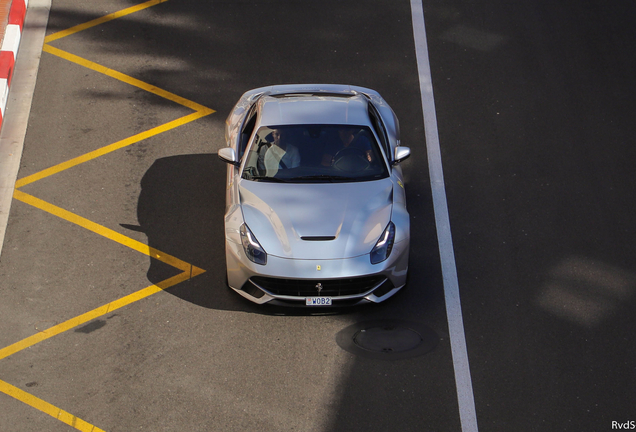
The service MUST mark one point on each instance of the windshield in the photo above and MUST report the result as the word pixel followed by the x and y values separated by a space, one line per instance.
pixel 314 153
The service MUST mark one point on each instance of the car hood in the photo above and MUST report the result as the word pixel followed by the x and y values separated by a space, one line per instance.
pixel 294 220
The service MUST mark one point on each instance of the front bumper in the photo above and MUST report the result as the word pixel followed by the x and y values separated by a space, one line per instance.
pixel 284 281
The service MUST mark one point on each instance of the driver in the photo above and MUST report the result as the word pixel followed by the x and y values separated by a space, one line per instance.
pixel 349 138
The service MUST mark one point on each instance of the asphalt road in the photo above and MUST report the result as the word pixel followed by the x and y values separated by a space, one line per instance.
pixel 535 109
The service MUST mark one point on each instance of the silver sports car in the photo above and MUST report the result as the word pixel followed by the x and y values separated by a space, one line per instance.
pixel 315 203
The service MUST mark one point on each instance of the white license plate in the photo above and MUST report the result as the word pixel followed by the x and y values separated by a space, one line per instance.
pixel 318 301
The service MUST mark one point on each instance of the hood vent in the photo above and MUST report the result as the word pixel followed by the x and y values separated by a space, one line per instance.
pixel 318 238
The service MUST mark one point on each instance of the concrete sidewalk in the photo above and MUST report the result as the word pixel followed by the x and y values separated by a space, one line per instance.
pixel 12 13
pixel 21 77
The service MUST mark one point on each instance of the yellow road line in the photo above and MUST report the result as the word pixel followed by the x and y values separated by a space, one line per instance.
pixel 98 21
pixel 47 408
pixel 189 270
pixel 125 78
pixel 95 313
pixel 109 148
pixel 106 232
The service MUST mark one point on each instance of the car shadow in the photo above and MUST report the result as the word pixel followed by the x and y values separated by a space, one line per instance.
pixel 181 209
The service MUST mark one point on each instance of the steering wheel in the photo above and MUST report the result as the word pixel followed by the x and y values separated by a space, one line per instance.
pixel 351 159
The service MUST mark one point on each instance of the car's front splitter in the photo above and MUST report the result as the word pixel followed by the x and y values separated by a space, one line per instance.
pixel 392 273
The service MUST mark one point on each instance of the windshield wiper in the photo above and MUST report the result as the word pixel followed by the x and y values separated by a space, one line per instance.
pixel 266 178
pixel 330 178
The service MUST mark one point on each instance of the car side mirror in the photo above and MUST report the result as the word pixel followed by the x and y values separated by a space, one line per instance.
pixel 401 153
pixel 228 155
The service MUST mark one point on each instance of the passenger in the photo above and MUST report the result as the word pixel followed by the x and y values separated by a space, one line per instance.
pixel 281 154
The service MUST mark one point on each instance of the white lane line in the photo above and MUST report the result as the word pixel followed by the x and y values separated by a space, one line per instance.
pixel 465 398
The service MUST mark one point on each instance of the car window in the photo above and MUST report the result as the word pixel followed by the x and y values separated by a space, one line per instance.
pixel 314 153
pixel 246 132
pixel 380 130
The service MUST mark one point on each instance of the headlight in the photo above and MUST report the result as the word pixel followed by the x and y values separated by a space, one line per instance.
pixel 252 247
pixel 382 248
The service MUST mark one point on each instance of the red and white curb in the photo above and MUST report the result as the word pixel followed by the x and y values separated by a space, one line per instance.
pixel 9 49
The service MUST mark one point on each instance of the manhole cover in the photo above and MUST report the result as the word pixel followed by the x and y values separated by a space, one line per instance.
pixel 387 339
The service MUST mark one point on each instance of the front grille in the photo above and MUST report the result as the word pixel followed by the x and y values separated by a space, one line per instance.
pixel 307 287
pixel 300 302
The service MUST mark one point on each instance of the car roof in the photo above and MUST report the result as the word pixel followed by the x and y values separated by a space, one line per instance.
pixel 298 108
